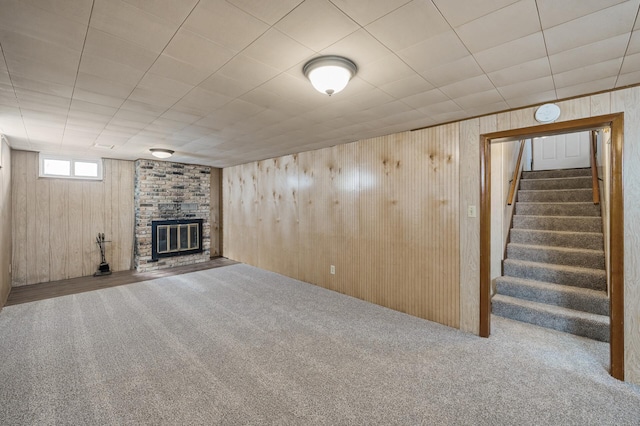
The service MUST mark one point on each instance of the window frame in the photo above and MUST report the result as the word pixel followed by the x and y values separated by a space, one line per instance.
pixel 72 165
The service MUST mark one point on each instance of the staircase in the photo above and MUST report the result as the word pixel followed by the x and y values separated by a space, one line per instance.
pixel 554 270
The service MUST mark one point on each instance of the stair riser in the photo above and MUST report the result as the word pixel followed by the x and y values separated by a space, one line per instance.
pixel 582 224
pixel 577 326
pixel 570 183
pixel 598 305
pixel 557 196
pixel 548 174
pixel 593 279
pixel 542 238
pixel 557 257
pixel 557 209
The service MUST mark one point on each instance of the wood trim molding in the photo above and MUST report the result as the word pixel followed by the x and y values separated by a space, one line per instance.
pixel 594 167
pixel 616 209
pixel 616 249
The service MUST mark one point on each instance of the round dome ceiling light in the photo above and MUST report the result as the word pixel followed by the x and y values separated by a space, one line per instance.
pixel 161 152
pixel 329 74
pixel 547 113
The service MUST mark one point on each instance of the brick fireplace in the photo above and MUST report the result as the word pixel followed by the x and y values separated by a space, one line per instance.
pixel 171 199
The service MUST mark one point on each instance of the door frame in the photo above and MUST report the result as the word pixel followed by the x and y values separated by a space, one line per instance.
pixel 616 213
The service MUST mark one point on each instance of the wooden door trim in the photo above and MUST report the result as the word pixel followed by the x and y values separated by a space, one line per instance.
pixel 616 215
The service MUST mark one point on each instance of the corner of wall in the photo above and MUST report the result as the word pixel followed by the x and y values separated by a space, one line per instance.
pixel 5 222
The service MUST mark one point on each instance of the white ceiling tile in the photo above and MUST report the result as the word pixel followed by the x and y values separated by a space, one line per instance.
pixel 37 85
pixel 359 46
pixel 634 43
pixel 600 51
pixel 132 24
pixel 591 86
pixel 452 72
pixel 630 64
pixel 487 108
pixel 187 46
pixel 385 70
pixel 169 67
pixel 97 98
pixel 310 22
pixel 165 85
pixel 277 50
pixel 248 70
pixel 152 97
pixel 440 108
pixel 512 53
pixel 229 87
pixel 526 71
pixel 113 48
pixel 462 11
pixel 421 100
pixel 504 25
pixel 103 86
pixel 407 86
pixel 409 25
pixel 475 100
pixel 366 12
pixel 628 79
pixel 225 24
pixel 597 71
pixel 591 28
pixel 54 69
pixel 36 22
pixel 169 10
pixel 269 12
pixel 142 107
pixel 434 51
pixel 201 101
pixel 554 12
pixel 109 70
pixel 460 88
pixel 527 87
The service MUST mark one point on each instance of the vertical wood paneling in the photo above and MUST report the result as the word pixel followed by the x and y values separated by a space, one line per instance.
pixel 215 214
pixel 383 211
pixel 19 217
pixel 469 227
pixel 58 236
pixel 6 215
pixel 629 101
pixel 600 104
pixel 278 215
pixel 32 175
pixel 54 234
pixel 74 226
pixel 574 109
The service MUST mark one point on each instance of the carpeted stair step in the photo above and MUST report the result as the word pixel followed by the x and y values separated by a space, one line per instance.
pixel 558 223
pixel 555 317
pixel 559 173
pixel 556 195
pixel 569 256
pixel 579 299
pixel 587 240
pixel 557 209
pixel 556 183
pixel 595 279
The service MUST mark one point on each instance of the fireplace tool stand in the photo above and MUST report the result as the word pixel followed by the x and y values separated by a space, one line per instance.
pixel 103 269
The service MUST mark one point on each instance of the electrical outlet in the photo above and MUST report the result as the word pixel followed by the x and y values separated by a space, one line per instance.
pixel 471 211
pixel 332 270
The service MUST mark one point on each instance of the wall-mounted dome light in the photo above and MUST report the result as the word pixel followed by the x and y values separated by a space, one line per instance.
pixel 329 74
pixel 161 152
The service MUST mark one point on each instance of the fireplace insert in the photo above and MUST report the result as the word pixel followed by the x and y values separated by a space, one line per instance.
pixel 176 237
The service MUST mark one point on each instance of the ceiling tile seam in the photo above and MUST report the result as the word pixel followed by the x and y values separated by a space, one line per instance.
pixel 624 56
pixel 377 19
pixel 13 88
pixel 546 49
pixel 75 80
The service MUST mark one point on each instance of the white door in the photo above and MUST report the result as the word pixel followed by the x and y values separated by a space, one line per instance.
pixel 567 151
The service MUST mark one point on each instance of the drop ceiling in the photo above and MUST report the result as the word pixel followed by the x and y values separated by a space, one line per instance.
pixel 221 83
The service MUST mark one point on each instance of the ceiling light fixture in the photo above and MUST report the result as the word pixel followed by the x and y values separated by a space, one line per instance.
pixel 161 152
pixel 329 74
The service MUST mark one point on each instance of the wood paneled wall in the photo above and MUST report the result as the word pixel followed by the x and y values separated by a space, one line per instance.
pixel 389 215
pixel 56 221
pixel 5 222
pixel 384 212
pixel 215 216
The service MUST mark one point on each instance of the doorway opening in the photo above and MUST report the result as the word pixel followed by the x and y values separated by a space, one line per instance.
pixel 615 210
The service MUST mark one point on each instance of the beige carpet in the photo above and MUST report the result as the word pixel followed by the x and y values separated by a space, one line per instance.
pixel 238 345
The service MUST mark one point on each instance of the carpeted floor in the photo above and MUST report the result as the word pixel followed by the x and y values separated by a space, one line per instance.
pixel 238 345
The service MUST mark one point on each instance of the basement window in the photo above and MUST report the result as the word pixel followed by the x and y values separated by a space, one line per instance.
pixel 70 168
